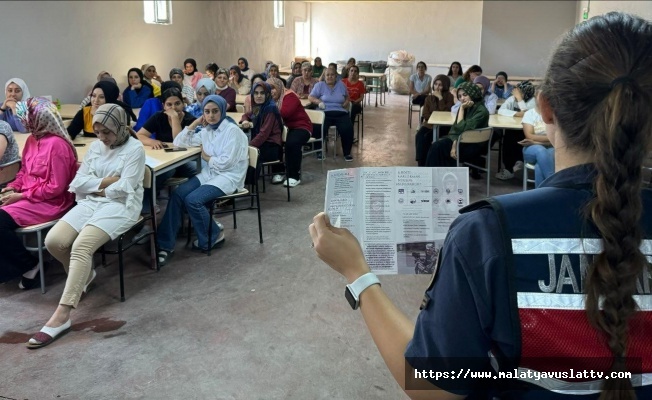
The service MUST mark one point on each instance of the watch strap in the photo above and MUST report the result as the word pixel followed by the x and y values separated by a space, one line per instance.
pixel 359 285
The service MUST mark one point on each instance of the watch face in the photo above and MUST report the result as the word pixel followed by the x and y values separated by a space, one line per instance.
pixel 350 298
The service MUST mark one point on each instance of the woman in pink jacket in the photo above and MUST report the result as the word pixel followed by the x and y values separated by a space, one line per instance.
pixel 40 191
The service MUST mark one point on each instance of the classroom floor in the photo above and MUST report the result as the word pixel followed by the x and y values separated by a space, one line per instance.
pixel 253 321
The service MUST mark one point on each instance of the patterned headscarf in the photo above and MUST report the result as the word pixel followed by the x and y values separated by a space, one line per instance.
pixel 207 83
pixel 22 84
pixel 472 91
pixel 114 118
pixel 221 104
pixel 260 111
pixel 527 90
pixel 41 117
pixel 278 85
pixel 484 81
pixel 176 71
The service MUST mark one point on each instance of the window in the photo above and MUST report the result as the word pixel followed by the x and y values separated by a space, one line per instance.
pixel 279 14
pixel 158 12
pixel 301 39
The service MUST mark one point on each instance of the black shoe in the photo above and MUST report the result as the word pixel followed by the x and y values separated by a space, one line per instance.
pixel 27 284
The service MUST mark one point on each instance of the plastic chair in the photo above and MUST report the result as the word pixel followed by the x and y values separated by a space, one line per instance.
pixel 39 229
pixel 270 164
pixel 317 117
pixel 477 136
pixel 8 172
pixel 526 180
pixel 411 109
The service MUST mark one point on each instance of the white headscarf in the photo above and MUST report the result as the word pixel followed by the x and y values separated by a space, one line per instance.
pixel 22 84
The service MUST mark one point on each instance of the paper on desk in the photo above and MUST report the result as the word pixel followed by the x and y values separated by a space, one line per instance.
pixel 151 162
pixel 400 215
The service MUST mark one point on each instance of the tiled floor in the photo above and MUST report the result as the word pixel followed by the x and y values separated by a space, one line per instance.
pixel 250 322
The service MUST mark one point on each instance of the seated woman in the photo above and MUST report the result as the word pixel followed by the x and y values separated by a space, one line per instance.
pixel 238 81
pixel 225 156
pixel 317 69
pixel 153 78
pixel 191 75
pixel 537 148
pixel 187 91
pixel 455 72
pixel 265 123
pixel 296 72
pixel 109 192
pixel 440 99
pixel 356 89
pixel 304 84
pixel 223 89
pixel 273 72
pixel 473 72
pixel 420 84
pixel 243 64
pixel 490 99
pixel 500 87
pixel 205 87
pixel 522 99
pixel 103 92
pixel 9 151
pixel 299 128
pixel 345 71
pixel 40 191
pixel 332 97
pixel 333 66
pixel 102 76
pixel 153 105
pixel 15 90
pixel 471 115
pixel 166 125
pixel 138 90
pixel 211 71
pixel 247 101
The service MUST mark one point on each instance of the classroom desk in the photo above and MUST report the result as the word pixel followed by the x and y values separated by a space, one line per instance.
pixel 68 111
pixel 240 98
pixel 445 118
pixel 380 88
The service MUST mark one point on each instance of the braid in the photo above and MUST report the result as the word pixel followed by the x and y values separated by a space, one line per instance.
pixel 600 70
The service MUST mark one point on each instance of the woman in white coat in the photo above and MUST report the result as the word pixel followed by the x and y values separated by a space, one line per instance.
pixel 109 192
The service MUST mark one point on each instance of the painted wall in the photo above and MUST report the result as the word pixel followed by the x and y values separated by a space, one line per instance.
pixel 518 36
pixel 371 30
pixel 73 40
pixel 640 8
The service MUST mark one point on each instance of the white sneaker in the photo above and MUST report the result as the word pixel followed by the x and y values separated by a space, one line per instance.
pixel 504 175
pixel 292 182
pixel 518 166
pixel 277 179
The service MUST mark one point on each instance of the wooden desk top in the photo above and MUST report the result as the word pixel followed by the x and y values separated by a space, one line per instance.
pixel 445 118
pixel 372 74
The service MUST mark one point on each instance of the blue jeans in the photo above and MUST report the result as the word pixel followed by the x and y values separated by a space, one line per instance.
pixel 186 170
pixel 193 198
pixel 543 159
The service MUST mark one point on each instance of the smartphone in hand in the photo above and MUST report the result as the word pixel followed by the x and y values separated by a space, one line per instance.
pixel 171 149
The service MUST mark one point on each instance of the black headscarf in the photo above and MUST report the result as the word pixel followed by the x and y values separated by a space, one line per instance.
pixel 239 72
pixel 246 63
pixel 194 66
pixel 142 79
pixel 111 94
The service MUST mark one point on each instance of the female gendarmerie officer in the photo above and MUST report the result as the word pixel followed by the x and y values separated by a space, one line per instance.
pixel 550 280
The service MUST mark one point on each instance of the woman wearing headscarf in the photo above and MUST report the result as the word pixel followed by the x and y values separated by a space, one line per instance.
pixel 102 76
pixel 138 91
pixel 225 159
pixel 440 99
pixel 243 64
pixel 490 99
pixel 265 123
pixel 239 81
pixel 9 151
pixel 521 100
pixel 39 192
pixel 317 69
pixel 296 72
pixel 187 91
pixel 500 87
pixel 471 115
pixel 191 75
pixel 247 101
pixel 152 77
pixel 273 72
pixel 103 92
pixel 223 89
pixel 15 90
pixel 109 191
pixel 265 74
pixel 299 128
pixel 205 87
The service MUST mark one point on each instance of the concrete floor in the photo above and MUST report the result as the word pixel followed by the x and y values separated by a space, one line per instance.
pixel 250 322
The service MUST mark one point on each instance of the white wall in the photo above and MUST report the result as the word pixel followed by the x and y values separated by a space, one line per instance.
pixel 59 47
pixel 371 30
pixel 519 36
pixel 640 8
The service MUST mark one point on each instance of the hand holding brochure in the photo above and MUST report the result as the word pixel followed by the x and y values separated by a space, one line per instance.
pixel 400 215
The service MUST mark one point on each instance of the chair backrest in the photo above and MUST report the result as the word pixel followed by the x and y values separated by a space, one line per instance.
pixel 147 178
pixel 476 135
pixel 8 171
pixel 316 116
pixel 253 156
pixel 66 123
pixel 239 108
pixel 285 133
